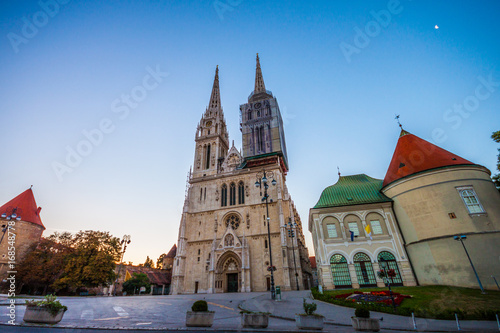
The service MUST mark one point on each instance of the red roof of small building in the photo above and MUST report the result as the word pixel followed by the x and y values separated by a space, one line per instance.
pixel 313 262
pixel 172 252
pixel 413 155
pixel 25 207
pixel 156 276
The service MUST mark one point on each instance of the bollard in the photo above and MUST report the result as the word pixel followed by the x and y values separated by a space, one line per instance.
pixel 458 324
pixel 414 323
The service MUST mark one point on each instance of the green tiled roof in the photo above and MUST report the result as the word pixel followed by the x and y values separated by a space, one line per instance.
pixel 352 190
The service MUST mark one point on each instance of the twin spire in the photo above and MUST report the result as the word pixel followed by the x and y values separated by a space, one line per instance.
pixel 215 103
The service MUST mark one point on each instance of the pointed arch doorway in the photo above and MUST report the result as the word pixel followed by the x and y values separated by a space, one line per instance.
pixel 228 274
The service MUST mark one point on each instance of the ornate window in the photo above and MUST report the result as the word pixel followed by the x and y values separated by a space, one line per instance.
pixel 241 193
pixel 353 226
pixel 332 230
pixel 388 258
pixel 232 194
pixel 340 271
pixel 376 228
pixel 233 220
pixel 471 200
pixel 364 270
pixel 223 196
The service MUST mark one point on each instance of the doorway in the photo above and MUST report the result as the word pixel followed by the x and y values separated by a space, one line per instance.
pixel 268 283
pixel 196 287
pixel 232 282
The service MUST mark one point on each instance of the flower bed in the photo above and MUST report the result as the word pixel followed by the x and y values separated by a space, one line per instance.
pixel 381 297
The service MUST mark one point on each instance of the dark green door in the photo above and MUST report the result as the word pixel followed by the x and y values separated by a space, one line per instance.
pixel 232 283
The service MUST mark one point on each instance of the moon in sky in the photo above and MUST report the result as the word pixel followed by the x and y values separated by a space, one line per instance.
pixel 436 27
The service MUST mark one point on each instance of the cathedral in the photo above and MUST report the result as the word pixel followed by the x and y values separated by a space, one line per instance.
pixel 238 216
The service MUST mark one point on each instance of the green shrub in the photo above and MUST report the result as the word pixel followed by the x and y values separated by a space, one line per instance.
pixel 49 303
pixel 200 306
pixel 309 308
pixel 362 312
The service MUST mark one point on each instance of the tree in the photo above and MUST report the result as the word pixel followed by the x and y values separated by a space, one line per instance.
pixel 496 178
pixel 149 263
pixel 45 263
pixel 91 262
pixel 136 282
pixel 159 261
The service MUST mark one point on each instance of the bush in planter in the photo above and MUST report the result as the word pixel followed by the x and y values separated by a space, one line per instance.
pixel 362 312
pixel 362 321
pixel 50 303
pixel 309 320
pixel 47 311
pixel 199 316
pixel 200 306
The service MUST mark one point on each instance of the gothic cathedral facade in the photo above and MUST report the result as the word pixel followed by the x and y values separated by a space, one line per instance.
pixel 223 243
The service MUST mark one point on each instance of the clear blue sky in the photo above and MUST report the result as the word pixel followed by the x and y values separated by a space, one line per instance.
pixel 67 72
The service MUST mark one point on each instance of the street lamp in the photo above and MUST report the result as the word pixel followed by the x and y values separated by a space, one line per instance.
pixel 384 266
pixel 461 239
pixel 291 234
pixel 10 218
pixel 125 241
pixel 262 183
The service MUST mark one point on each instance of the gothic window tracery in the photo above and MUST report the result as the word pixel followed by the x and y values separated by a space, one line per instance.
pixel 223 194
pixel 232 194
pixel 241 193
pixel 233 220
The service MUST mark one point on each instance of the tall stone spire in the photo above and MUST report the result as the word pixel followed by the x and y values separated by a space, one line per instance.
pixel 214 103
pixel 259 80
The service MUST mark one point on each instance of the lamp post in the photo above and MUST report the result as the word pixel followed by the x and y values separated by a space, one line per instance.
pixel 291 234
pixel 262 183
pixel 125 241
pixel 384 265
pixel 10 221
pixel 461 239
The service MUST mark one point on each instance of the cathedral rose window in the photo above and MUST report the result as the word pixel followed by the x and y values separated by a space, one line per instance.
pixel 233 220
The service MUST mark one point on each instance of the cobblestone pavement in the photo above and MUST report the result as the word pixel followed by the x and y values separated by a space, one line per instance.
pixel 169 313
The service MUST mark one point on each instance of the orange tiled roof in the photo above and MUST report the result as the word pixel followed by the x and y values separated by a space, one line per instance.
pixel 413 155
pixel 26 208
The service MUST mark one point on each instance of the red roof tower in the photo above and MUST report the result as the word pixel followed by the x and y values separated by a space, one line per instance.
pixel 413 155
pixel 24 205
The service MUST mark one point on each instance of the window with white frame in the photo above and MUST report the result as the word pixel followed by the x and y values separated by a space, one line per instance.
pixel 376 228
pixel 332 230
pixel 353 226
pixel 471 200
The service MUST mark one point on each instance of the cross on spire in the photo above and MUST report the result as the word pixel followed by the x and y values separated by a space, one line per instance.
pixel 397 119
pixel 259 80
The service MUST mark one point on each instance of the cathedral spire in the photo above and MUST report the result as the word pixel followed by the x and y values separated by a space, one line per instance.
pixel 215 97
pixel 259 80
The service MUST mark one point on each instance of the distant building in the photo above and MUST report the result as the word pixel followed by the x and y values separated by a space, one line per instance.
pixel 223 243
pixel 314 271
pixel 168 259
pixel 26 225
pixel 409 221
pixel 160 279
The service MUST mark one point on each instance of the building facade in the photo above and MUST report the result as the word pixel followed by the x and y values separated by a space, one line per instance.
pixel 410 221
pixel 26 224
pixel 223 243
pixel 355 205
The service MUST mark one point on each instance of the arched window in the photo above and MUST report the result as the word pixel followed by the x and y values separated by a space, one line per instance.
pixel 364 270
pixel 241 193
pixel 232 194
pixel 386 260
pixel 340 271
pixel 207 157
pixel 249 115
pixel 265 243
pixel 223 196
pixel 262 138
pixel 471 201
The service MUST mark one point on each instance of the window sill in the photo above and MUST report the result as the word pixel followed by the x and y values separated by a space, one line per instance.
pixel 478 214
